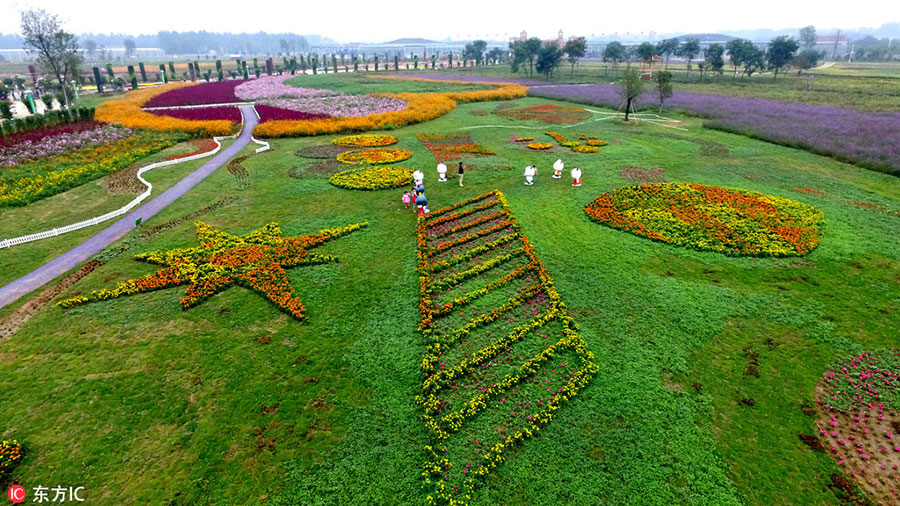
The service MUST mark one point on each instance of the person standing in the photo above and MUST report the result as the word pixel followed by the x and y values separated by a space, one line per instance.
pixel 461 173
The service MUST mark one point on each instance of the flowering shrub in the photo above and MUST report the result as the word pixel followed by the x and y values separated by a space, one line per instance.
pixel 859 420
pixel 502 357
pixel 256 261
pixel 446 147
pixel 200 146
pixel 269 113
pixel 547 113
pixel 218 92
pixel 711 218
pixel 375 156
pixel 11 453
pixel 221 113
pixel 365 140
pixel 419 107
pixel 372 178
pixel 127 112
pixel 45 177
pixel 539 145
pixel 27 146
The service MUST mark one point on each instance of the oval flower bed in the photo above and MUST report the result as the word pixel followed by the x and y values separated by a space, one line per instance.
pixel 372 178
pixel 365 140
pixel 375 156
pixel 584 149
pixel 711 218
pixel 539 145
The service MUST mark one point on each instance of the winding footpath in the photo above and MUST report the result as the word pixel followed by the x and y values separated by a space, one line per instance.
pixel 95 244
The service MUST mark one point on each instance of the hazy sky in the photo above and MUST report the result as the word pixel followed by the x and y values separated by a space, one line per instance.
pixel 373 20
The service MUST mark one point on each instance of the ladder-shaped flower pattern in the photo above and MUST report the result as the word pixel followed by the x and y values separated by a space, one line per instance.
pixel 502 355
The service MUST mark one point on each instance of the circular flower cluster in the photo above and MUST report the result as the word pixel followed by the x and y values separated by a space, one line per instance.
pixel 365 140
pixel 711 218
pixel 585 149
pixel 596 142
pixel 375 156
pixel 539 145
pixel 372 178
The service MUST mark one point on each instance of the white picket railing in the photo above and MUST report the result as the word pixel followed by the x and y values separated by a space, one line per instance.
pixel 6 243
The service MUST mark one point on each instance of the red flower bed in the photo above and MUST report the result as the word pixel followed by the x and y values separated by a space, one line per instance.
pixel 226 113
pixel 221 92
pixel 446 147
pixel 547 113
pixel 45 133
pixel 269 113
pixel 200 146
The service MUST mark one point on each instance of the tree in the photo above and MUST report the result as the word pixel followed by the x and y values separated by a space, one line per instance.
pixel 714 58
pixel 475 50
pixel 495 55
pixel 518 55
pixel 663 86
pixel 549 58
pixel 808 37
pixel 735 49
pixel 90 47
pixel 807 59
pixel 781 53
pixel 646 51
pixel 614 52
pixel 56 49
pixel 532 48
pixel 130 46
pixel 575 49
pixel 689 50
pixel 667 48
pixel 631 87
pixel 754 58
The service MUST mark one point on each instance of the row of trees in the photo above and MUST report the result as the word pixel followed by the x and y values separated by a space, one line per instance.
pixel 742 54
pixel 545 57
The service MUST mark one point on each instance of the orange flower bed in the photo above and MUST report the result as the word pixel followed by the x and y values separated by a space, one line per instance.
pixel 421 107
pixel 127 112
pixel 539 145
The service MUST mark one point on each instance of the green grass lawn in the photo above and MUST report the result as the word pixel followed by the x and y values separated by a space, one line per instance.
pixel 233 402
pixel 361 83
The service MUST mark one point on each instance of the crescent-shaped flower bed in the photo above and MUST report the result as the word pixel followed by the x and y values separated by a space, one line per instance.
pixel 375 156
pixel 539 145
pixel 127 112
pixel 215 113
pixel 372 178
pixel 219 92
pixel 365 140
pixel 419 107
pixel 711 218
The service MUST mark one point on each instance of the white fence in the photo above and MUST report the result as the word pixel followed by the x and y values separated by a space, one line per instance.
pixel 6 243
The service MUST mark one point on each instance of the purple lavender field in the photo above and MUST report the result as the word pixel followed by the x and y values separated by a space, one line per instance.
pixel 871 140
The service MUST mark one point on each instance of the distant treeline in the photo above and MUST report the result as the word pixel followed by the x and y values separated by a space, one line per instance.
pixel 195 42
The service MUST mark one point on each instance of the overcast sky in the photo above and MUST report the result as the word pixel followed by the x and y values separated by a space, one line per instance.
pixel 373 20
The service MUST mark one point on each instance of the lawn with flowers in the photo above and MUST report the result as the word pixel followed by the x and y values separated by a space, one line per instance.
pixel 710 367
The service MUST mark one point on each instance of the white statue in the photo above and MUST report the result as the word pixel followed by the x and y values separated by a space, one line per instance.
pixel 558 167
pixel 442 172
pixel 576 177
pixel 530 172
pixel 418 177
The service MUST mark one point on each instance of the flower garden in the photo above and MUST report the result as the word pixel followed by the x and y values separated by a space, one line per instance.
pixel 502 349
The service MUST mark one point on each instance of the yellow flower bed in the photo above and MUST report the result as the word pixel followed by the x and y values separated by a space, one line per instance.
pixel 365 140
pixel 421 107
pixel 584 149
pixel 127 111
pixel 539 145
pixel 374 156
pixel 372 178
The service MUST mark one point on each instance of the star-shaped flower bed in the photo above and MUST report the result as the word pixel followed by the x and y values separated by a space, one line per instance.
pixel 256 261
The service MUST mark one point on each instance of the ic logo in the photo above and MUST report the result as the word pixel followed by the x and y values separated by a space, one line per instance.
pixel 17 493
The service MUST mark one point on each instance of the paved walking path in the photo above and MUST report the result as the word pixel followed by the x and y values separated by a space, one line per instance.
pixel 90 247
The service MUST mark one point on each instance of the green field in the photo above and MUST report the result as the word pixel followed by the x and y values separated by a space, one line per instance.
pixel 233 402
